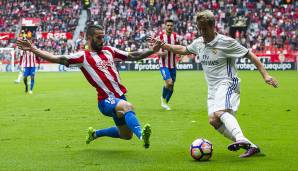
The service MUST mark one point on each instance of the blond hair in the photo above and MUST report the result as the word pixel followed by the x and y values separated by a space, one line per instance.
pixel 206 17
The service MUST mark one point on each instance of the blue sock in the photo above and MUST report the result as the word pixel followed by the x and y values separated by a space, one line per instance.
pixel 133 123
pixel 31 84
pixel 169 95
pixel 108 132
pixel 165 92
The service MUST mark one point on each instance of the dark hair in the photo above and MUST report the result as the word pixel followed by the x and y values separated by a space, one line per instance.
pixel 170 21
pixel 91 29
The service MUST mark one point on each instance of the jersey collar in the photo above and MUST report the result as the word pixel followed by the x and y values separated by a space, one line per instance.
pixel 214 40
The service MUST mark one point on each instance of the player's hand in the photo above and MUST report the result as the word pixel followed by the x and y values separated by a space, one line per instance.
pixel 271 81
pixel 155 43
pixel 24 44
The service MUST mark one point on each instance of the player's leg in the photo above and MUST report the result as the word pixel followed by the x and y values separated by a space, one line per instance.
pixel 227 100
pixel 170 84
pixel 20 75
pixel 106 107
pixel 165 73
pixel 215 121
pixel 124 110
pixel 32 75
pixel 166 88
pixel 124 118
pixel 26 74
pixel 231 124
pixel 221 128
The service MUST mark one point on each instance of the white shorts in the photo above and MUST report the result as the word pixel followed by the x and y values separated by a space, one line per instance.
pixel 225 96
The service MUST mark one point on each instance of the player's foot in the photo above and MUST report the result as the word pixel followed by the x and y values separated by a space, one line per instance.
pixel 30 92
pixel 146 132
pixel 90 134
pixel 164 104
pixel 250 152
pixel 239 144
pixel 17 82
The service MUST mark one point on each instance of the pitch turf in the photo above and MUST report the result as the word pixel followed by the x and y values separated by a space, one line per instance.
pixel 46 130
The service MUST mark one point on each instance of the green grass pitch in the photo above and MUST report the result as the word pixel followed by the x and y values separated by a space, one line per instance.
pixel 46 130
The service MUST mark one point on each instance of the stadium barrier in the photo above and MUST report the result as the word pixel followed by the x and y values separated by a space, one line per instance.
pixel 125 66
pixel 270 61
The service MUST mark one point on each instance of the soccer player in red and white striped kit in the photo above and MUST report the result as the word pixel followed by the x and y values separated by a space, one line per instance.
pixel 97 65
pixel 167 63
pixel 29 61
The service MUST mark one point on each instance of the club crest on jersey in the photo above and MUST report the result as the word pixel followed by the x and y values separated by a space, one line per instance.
pixel 214 51
pixel 103 64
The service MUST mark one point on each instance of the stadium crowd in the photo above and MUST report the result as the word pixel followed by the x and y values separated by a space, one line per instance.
pixel 55 16
pixel 270 24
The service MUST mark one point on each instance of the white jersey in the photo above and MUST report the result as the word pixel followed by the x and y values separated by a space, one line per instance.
pixel 218 59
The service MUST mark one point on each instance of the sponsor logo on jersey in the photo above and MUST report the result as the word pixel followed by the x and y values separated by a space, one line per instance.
pixel 104 64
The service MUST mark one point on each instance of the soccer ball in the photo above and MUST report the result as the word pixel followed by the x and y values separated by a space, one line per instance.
pixel 201 149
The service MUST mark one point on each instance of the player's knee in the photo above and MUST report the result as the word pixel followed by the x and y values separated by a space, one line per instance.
pixel 215 122
pixel 127 107
pixel 170 83
pixel 219 113
pixel 122 108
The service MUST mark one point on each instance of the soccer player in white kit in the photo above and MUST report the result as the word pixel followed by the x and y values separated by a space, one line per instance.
pixel 217 54
pixel 97 65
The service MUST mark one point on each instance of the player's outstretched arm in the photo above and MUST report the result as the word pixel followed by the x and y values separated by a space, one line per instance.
pixel 268 79
pixel 177 49
pixel 137 55
pixel 27 46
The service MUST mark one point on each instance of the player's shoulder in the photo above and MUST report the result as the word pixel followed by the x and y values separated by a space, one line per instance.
pixel 77 54
pixel 175 33
pixel 160 34
pixel 107 47
pixel 225 40
pixel 198 40
pixel 112 50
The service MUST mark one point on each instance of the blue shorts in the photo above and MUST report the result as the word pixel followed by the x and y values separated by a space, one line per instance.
pixel 29 71
pixel 168 73
pixel 108 106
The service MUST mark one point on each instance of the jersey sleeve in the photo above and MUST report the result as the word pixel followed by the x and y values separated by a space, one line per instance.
pixel 193 47
pixel 76 59
pixel 119 55
pixel 234 49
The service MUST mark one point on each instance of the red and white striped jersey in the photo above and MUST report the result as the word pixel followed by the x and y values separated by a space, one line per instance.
pixel 28 59
pixel 100 70
pixel 169 60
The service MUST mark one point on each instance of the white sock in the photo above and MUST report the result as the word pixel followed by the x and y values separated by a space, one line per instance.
pixel 232 126
pixel 20 76
pixel 224 131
